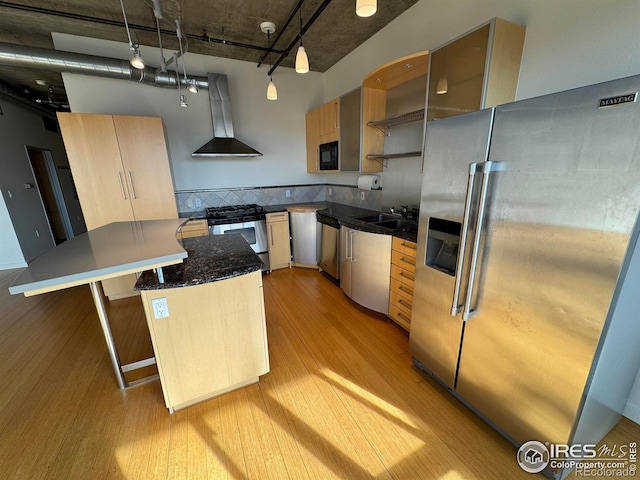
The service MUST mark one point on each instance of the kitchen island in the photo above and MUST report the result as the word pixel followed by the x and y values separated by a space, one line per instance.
pixel 207 320
pixel 210 336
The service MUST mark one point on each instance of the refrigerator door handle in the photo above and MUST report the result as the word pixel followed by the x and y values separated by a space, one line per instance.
pixel 456 305
pixel 488 167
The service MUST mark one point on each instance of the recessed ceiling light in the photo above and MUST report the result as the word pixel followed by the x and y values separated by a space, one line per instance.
pixel 379 80
pixel 408 65
pixel 42 82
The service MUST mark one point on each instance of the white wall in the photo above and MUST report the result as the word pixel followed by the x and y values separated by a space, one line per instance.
pixel 276 129
pixel 20 128
pixel 10 253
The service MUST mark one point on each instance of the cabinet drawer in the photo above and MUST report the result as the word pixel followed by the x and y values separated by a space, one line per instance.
pixel 404 261
pixel 401 289
pixel 402 275
pixel 277 217
pixel 401 302
pixel 405 247
pixel 194 228
pixel 400 317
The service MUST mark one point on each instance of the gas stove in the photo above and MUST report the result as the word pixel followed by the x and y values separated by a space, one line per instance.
pixel 234 214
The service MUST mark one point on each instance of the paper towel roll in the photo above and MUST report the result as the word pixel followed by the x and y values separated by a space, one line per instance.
pixel 368 182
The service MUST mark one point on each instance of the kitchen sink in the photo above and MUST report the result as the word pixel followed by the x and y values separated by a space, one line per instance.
pixel 380 217
pixel 393 224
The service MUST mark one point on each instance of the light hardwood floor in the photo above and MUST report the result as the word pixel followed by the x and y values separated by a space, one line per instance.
pixel 342 399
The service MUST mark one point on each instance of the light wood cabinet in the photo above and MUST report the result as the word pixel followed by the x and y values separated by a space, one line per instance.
pixel 121 171
pixel 477 70
pixel 193 228
pixel 279 240
pixel 322 126
pixel 214 339
pixel 403 268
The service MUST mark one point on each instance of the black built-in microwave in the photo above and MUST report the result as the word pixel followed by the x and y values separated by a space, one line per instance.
pixel 329 156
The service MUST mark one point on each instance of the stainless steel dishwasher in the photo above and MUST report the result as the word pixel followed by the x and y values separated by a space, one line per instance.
pixel 329 245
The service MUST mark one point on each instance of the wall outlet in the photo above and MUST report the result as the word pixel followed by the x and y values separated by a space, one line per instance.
pixel 160 307
pixel 361 195
pixel 287 193
pixel 198 202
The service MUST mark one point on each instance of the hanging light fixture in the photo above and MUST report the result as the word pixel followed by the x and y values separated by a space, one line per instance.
pixel 136 61
pixel 269 28
pixel 366 8
pixel 193 86
pixel 183 101
pixel 443 86
pixel 302 61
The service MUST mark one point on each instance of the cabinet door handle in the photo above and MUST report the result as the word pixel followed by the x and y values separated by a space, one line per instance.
pixel 133 191
pixel 335 116
pixel 124 195
pixel 271 233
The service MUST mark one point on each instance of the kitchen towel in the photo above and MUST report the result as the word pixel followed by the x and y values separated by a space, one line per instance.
pixel 369 182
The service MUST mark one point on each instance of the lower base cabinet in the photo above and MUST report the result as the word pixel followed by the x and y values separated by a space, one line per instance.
pixel 279 240
pixel 365 260
pixel 403 268
pixel 213 340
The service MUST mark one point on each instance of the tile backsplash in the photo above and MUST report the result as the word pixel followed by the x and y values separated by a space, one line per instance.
pixel 193 200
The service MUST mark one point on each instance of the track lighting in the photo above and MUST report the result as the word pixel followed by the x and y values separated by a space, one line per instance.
pixel 136 61
pixel 183 101
pixel 269 28
pixel 193 87
pixel 366 8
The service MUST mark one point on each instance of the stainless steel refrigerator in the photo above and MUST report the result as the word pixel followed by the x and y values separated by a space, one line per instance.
pixel 527 292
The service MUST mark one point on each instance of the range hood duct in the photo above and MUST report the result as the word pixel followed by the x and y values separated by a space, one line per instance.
pixel 223 143
pixel 61 61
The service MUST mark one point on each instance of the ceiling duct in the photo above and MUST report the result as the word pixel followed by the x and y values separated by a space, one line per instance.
pixel 223 143
pixel 61 61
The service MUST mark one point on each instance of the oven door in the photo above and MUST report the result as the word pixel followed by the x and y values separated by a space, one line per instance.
pixel 255 233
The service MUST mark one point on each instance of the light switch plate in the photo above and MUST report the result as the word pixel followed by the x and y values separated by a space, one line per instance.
pixel 160 307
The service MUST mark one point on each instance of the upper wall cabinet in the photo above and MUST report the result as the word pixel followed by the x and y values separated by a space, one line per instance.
pixel 322 126
pixel 477 70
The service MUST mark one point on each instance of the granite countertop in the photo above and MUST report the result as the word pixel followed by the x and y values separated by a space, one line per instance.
pixel 343 214
pixel 211 258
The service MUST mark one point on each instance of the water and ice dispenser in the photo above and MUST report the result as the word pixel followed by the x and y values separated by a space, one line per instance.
pixel 443 240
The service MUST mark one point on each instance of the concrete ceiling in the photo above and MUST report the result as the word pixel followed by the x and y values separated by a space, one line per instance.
pixel 336 31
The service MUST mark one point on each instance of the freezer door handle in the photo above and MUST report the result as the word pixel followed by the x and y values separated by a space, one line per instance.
pixel 456 305
pixel 487 168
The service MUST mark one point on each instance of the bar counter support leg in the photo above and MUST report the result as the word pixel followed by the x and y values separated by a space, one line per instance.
pixel 106 328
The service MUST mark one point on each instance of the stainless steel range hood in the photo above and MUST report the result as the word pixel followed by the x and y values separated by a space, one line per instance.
pixel 223 143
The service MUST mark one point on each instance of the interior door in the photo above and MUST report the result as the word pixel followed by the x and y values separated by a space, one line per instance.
pixel 147 171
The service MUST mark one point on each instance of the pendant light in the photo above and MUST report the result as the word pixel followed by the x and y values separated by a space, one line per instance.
pixel 302 61
pixel 269 28
pixel 366 8
pixel 136 61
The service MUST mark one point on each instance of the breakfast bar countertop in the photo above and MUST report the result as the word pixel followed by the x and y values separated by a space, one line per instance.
pixel 210 259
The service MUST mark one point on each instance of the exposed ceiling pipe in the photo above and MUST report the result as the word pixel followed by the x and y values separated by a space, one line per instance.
pixel 61 61
pixel 133 26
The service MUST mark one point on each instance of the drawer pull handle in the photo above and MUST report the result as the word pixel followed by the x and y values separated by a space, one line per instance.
pixel 405 275
pixel 405 289
pixel 405 304
pixel 409 261
pixel 412 246
pixel 403 317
